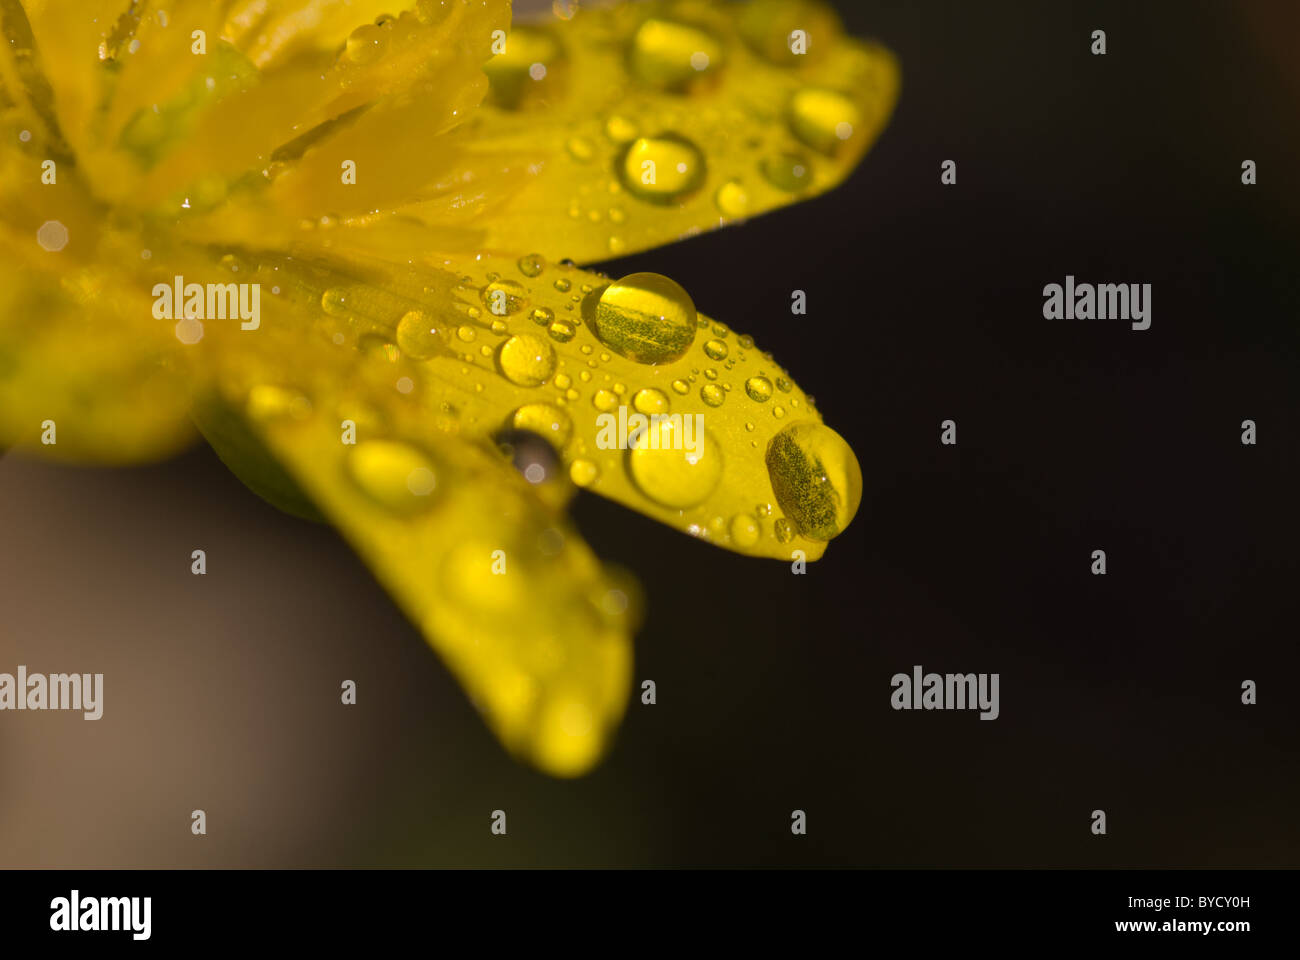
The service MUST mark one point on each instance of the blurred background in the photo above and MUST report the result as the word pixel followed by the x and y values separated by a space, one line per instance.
pixel 1119 692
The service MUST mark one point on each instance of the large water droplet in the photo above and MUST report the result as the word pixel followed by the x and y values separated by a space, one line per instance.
pixel 645 317
pixel 672 55
pixel 394 474
pixel 526 360
pixel 816 478
pixel 671 472
pixel 418 338
pixel 528 68
pixel 823 118
pixel 504 297
pixel 662 169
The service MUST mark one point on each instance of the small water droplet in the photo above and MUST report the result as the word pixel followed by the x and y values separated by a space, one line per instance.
pixel 822 118
pixel 563 285
pixel 681 386
pixel 366 44
pixel 744 530
pixel 583 472
pixel 650 401
pixel 531 265
pixel 562 331
pixel 671 55
pixel 790 172
pixel 466 333
pixel 712 394
pixel 732 199
pixel 759 389
pixel 604 400
pixel 716 349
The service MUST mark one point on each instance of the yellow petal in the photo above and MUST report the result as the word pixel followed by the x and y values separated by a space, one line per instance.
pixel 650 122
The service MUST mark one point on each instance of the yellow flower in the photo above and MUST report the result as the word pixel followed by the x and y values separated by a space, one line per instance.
pixel 335 239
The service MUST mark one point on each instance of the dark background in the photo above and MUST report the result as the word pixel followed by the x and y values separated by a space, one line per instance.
pixel 1119 692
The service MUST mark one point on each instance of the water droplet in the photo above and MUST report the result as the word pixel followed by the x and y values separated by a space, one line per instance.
pixel 583 472
pixel 543 316
pixel 531 265
pixel 580 149
pixel 732 199
pixel 562 330
pixel 759 389
pixel 527 360
pixel 504 297
pixel 604 400
pixel 620 129
pixel 545 420
pixel 681 386
pixel 662 169
pixel 712 394
pixel 778 411
pixel 563 285
pixel 671 55
pixel 822 118
pixel 767 25
pixel 784 385
pixel 466 333
pixel 269 402
pixel 394 474
pixel 670 474
pixel 418 338
pixel 783 530
pixel 518 75
pixel 334 301
pixel 645 317
pixel 788 171
pixel 366 44
pixel 816 478
pixel 744 530
pixel 650 401
pixel 716 349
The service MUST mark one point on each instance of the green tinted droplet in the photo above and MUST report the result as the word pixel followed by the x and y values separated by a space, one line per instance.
pixel 670 473
pixel 531 265
pixel 822 118
pixel 545 420
pixel 816 478
pixel 716 349
pixel 543 316
pixel 662 169
pixel 712 394
pixel 394 474
pixel 527 360
pixel 671 55
pixel 783 530
pixel 759 389
pixel 563 285
pixel 418 338
pixel 788 171
pixel 645 317
pixel 732 199
pixel 366 44
pixel 784 385
pixel 650 401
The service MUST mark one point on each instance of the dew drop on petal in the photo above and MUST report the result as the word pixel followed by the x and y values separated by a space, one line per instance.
pixel 645 317
pixel 526 360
